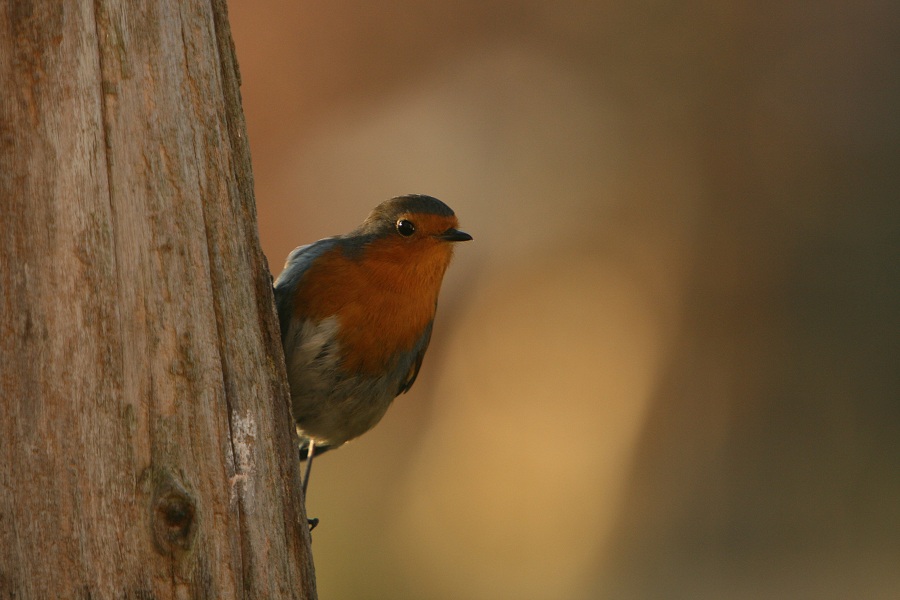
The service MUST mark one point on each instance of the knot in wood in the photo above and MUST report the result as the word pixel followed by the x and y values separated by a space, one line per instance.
pixel 173 517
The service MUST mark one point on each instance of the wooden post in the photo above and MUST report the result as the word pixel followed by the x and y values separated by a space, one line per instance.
pixel 146 449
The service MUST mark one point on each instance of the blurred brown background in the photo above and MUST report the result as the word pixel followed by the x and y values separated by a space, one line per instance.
pixel 667 367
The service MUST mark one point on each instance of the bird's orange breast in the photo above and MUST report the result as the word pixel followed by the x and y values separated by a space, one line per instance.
pixel 384 299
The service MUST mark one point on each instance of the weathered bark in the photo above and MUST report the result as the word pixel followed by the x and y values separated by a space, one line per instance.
pixel 145 441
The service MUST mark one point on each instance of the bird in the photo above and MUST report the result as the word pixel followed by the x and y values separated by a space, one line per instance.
pixel 356 313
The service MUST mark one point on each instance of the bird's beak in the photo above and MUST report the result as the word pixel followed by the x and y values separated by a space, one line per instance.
pixel 454 235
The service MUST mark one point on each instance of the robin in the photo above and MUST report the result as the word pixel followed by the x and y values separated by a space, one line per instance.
pixel 356 313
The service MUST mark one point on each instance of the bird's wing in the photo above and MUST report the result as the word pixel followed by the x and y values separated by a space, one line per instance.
pixel 298 262
pixel 419 350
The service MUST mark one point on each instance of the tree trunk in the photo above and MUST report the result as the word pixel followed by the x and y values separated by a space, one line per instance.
pixel 146 447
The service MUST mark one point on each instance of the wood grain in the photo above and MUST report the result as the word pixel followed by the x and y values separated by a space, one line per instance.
pixel 146 449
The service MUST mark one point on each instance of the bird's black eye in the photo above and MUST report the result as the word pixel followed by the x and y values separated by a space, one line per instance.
pixel 405 227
